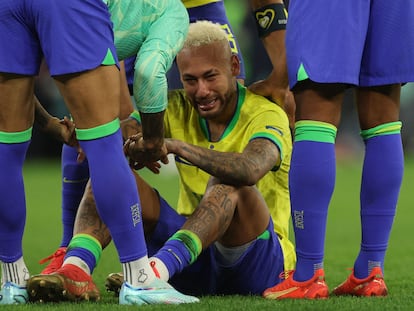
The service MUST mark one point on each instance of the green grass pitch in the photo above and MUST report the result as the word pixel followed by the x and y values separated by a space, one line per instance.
pixel 43 231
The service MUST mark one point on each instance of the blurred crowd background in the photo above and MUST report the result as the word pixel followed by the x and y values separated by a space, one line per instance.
pixel 257 64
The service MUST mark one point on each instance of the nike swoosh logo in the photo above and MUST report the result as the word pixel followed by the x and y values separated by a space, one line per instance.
pixel 74 181
pixel 283 292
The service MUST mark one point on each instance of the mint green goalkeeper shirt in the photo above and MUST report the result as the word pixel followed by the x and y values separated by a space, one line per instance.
pixel 154 31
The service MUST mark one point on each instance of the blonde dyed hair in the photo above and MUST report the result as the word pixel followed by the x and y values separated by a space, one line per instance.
pixel 204 33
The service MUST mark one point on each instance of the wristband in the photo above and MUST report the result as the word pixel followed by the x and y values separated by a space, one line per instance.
pixel 136 116
pixel 270 18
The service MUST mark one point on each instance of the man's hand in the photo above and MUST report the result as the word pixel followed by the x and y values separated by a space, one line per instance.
pixel 279 95
pixel 269 89
pixel 129 127
pixel 145 153
pixel 62 130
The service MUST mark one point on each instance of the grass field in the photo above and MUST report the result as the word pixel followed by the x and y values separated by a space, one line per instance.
pixel 43 232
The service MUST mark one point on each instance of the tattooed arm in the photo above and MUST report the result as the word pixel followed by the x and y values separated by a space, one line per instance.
pixel 239 169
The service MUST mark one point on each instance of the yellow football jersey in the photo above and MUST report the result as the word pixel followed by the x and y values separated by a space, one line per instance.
pixel 194 3
pixel 255 117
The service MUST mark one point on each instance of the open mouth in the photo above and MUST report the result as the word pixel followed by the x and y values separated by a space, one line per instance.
pixel 207 104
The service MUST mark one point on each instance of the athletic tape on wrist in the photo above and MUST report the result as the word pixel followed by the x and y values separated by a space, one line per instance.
pixel 136 116
pixel 270 18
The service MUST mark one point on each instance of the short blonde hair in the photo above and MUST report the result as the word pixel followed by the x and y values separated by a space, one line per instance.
pixel 204 32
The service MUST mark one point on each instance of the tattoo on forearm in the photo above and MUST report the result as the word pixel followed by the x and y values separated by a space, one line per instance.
pixel 235 168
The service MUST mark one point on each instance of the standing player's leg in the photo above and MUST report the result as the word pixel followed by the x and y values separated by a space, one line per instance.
pixel 383 70
pixel 16 120
pixel 74 178
pixel 17 71
pixel 91 235
pixel 318 76
pixel 76 174
pixel 90 85
pixel 378 109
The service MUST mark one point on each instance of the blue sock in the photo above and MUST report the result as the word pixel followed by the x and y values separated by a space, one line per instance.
pixel 380 187
pixel 311 182
pixel 174 255
pixel 181 250
pixel 74 178
pixel 13 201
pixel 115 189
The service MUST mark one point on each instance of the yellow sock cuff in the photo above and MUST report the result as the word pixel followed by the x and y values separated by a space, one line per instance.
pixel 383 129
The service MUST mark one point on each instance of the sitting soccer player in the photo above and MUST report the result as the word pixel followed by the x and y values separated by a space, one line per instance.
pixel 75 174
pixel 232 149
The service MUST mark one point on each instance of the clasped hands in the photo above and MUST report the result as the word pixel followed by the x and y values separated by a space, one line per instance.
pixel 146 152
pixel 142 153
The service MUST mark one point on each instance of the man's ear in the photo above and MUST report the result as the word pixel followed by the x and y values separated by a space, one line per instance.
pixel 235 65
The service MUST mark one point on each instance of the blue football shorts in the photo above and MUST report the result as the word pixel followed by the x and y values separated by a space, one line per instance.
pixel 72 36
pixel 363 43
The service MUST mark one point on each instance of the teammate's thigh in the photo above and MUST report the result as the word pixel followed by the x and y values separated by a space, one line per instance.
pixel 20 60
pixel 20 51
pixel 378 105
pixel 16 102
pixel 77 41
pixel 319 101
pixel 75 35
pixel 92 97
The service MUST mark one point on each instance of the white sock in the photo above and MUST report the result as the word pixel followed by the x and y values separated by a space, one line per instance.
pixel 138 273
pixel 160 267
pixel 15 272
pixel 80 263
